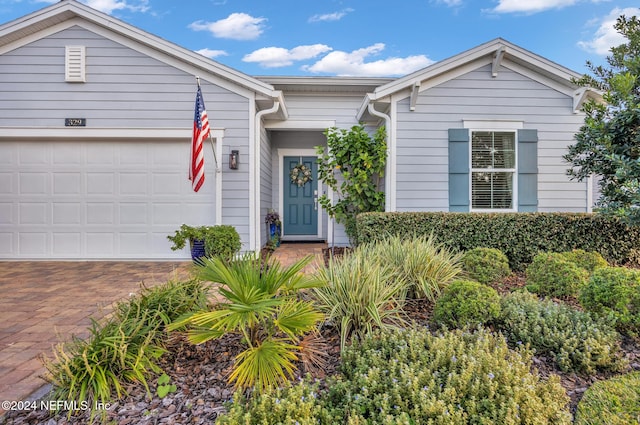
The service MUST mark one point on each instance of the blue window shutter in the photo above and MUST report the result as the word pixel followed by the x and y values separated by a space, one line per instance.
pixel 459 169
pixel 527 170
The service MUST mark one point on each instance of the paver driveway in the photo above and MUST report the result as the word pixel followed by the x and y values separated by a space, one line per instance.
pixel 45 302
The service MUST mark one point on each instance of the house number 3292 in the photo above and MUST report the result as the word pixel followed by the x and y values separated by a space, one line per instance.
pixel 75 122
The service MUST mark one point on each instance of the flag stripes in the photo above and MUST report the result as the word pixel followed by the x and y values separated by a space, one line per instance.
pixel 200 133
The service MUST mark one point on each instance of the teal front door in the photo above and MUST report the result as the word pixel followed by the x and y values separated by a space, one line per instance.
pixel 300 214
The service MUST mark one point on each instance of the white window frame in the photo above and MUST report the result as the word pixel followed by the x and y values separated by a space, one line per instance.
pixel 508 128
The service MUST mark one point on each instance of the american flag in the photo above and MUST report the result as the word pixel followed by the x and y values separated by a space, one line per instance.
pixel 200 133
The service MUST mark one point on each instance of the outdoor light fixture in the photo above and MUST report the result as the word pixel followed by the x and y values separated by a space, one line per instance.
pixel 233 160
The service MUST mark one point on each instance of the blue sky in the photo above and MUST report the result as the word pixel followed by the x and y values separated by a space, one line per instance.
pixel 364 37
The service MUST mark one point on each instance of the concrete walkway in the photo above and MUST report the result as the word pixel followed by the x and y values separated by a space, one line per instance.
pixel 45 302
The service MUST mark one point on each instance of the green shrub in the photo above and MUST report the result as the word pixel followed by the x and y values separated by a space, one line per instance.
pixel 520 236
pixel 123 348
pixel 166 302
pixel 486 265
pixel 465 302
pixel 412 377
pixel 589 261
pixel 424 265
pixel 550 274
pixel 615 291
pixel 575 340
pixel 220 240
pixel 359 295
pixel 99 368
pixel 297 404
pixel 612 402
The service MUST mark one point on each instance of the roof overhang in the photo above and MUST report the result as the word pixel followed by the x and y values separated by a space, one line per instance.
pixel 497 53
pixel 70 12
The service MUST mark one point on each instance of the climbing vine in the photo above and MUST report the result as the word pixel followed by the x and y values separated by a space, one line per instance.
pixel 352 165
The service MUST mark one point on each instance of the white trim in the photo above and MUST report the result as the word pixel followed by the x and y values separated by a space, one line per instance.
pixel 156 133
pixel 497 60
pixel 218 137
pixel 299 124
pixel 255 175
pixel 590 193
pixel 501 127
pixel 282 152
pixel 493 125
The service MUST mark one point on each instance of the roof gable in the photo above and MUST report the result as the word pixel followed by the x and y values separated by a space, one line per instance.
pixel 67 13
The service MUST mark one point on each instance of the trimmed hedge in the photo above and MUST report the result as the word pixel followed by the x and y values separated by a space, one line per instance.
pixel 519 235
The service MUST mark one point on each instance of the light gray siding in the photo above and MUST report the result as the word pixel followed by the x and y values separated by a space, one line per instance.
pixel 125 88
pixel 266 182
pixel 422 144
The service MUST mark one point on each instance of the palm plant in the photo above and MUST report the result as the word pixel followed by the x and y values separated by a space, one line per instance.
pixel 261 302
pixel 359 295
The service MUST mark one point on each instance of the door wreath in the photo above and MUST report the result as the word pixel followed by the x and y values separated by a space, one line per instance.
pixel 300 175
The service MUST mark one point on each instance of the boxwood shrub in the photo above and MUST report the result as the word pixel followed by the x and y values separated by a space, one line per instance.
pixel 519 235
pixel 466 303
pixel 551 274
pixel 615 401
pixel 615 291
pixel 486 265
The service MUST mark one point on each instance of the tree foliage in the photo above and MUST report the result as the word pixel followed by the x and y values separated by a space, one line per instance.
pixel 353 167
pixel 608 143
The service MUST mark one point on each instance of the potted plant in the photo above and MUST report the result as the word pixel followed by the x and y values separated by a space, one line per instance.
pixel 207 241
pixel 274 228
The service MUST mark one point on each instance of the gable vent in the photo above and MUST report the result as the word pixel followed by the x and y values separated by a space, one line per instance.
pixel 74 64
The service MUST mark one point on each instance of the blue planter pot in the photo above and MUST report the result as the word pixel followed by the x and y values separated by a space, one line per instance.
pixel 197 250
pixel 274 233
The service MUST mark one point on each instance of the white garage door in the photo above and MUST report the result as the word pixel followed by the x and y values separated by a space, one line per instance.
pixel 94 200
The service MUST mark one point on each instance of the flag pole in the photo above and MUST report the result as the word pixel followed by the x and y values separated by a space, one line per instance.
pixel 213 146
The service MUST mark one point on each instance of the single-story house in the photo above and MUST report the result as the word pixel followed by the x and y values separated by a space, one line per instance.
pixel 97 115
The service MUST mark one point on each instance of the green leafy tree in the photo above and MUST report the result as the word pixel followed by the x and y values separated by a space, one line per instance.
pixel 359 159
pixel 608 143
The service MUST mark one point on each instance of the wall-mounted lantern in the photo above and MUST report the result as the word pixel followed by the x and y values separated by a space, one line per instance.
pixel 234 156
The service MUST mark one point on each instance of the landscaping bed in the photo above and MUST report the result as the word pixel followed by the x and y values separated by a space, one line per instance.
pixel 200 372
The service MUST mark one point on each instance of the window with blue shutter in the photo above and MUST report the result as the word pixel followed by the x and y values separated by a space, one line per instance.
pixel 486 167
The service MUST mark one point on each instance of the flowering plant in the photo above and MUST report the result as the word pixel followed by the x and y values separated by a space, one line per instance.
pixel 300 175
pixel 272 217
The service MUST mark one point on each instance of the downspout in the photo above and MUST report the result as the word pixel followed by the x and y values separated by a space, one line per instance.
pixel 390 177
pixel 254 207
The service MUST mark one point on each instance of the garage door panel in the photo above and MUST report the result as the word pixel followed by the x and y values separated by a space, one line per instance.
pixel 33 244
pixel 67 183
pixel 75 200
pixel 100 183
pixel 66 244
pixel 100 213
pixel 66 213
pixel 34 183
pixel 133 213
pixel 34 213
pixel 167 184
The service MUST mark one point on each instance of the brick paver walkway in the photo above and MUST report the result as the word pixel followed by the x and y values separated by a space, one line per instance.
pixel 45 302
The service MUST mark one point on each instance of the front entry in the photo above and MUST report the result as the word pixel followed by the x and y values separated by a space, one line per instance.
pixel 300 213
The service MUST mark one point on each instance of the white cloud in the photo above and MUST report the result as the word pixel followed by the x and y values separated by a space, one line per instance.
pixel 354 64
pixel 449 3
pixel 274 57
pixel 606 36
pixel 212 53
pixel 531 6
pixel 237 26
pixel 108 6
pixel 335 16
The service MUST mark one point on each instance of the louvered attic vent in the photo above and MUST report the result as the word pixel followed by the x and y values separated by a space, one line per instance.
pixel 74 64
